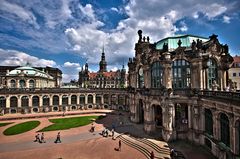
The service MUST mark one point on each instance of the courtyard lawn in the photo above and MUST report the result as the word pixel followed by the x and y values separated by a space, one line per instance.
pixel 21 128
pixel 4 124
pixel 67 123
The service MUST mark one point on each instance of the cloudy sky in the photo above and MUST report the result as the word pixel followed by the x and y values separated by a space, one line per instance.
pixel 66 33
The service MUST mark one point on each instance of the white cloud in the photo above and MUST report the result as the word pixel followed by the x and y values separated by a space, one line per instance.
pixel 114 9
pixel 70 64
pixel 19 12
pixel 214 10
pixel 226 19
pixel 13 57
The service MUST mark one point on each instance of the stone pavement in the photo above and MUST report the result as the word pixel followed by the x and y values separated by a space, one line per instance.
pixel 80 143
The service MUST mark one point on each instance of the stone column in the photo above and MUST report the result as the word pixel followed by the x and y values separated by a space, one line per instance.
pixel 60 100
pixel 7 102
pixel 78 100
pixel 50 100
pixel 147 77
pixel 40 101
pixel 102 99
pixel 86 99
pixel 19 101
pixel 94 99
pixel 149 124
pixel 30 100
pixel 168 132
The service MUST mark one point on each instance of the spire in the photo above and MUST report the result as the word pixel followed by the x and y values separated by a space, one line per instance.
pixel 103 63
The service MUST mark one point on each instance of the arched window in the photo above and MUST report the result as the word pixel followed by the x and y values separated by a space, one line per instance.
pixel 55 100
pixel 73 99
pixel 35 101
pixel 22 84
pixel 98 99
pixel 24 101
pixel 13 102
pixel 64 100
pixel 212 72
pixel 140 78
pixel 208 122
pixel 156 75
pixel 31 84
pixel 12 83
pixel 106 98
pixel 45 100
pixel 82 99
pixel 181 74
pixel 90 98
pixel 2 102
pixel 225 134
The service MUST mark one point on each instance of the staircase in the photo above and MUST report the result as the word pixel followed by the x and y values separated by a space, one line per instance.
pixel 145 146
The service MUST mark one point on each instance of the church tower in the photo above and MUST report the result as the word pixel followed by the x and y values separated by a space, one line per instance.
pixel 103 63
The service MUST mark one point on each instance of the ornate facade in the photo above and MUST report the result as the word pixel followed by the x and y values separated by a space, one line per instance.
pixel 29 77
pixel 102 78
pixel 176 89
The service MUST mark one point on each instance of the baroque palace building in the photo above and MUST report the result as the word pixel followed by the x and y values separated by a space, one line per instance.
pixel 178 88
pixel 102 78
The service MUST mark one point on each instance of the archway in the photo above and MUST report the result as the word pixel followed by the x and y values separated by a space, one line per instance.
pixel 237 138
pixel 225 132
pixel 140 111
pixel 181 116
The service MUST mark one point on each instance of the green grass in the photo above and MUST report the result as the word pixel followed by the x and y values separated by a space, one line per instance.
pixel 21 128
pixel 67 123
pixel 4 124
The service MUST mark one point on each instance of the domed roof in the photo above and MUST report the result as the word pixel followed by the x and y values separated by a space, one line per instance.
pixel 29 71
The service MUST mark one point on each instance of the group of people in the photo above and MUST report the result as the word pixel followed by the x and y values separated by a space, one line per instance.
pixel 41 138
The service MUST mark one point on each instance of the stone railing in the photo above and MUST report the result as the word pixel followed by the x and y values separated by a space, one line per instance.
pixel 62 90
pixel 222 95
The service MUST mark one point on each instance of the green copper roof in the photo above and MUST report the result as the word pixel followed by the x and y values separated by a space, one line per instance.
pixel 29 71
pixel 173 41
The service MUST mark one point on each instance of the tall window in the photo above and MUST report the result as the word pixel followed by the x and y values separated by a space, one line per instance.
pixel 156 75
pixel 140 78
pixel 181 74
pixel 225 134
pixel 22 84
pixel 212 72
pixel 208 122
pixel 2 102
pixel 31 84
pixel 13 83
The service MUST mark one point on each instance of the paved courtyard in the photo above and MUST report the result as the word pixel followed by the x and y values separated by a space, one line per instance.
pixel 80 143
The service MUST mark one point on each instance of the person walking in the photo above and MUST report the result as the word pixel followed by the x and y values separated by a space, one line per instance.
pixel 37 139
pixel 152 155
pixel 58 140
pixel 42 138
pixel 119 145
pixel 112 133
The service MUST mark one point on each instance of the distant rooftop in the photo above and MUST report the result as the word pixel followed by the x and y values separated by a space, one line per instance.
pixel 172 41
